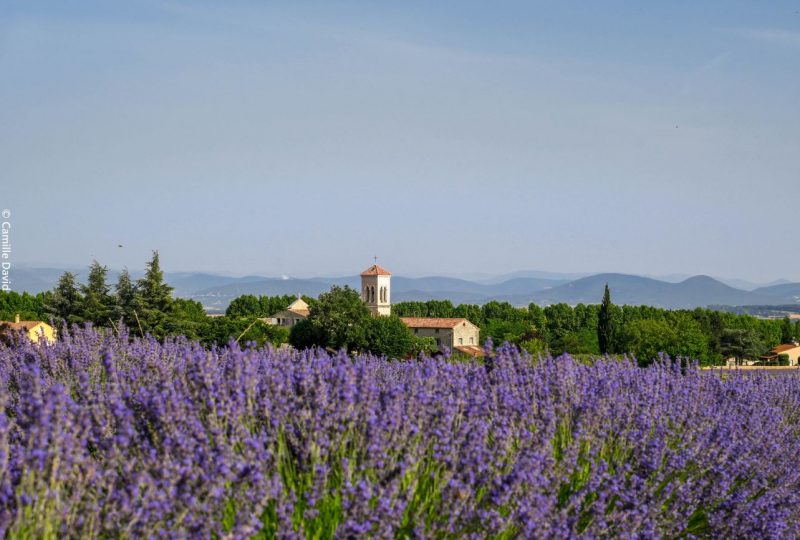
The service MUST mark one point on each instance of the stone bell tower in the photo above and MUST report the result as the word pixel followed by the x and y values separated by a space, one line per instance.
pixel 376 290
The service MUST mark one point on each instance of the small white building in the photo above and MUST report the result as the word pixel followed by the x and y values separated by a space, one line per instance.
pixel 376 290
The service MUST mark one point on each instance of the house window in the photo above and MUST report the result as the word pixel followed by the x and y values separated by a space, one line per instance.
pixel 437 330
pixel 416 330
pixel 460 341
pixel 470 341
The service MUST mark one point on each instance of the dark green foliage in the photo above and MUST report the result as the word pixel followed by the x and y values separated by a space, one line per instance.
pixel 787 332
pixel 562 328
pixel 221 330
pixel 249 305
pixel 389 336
pixel 783 359
pixel 340 318
pixel 154 296
pixel 125 300
pixel 188 318
pixel 605 324
pixel 305 334
pixel 741 343
pixel 66 302
pixel 28 307
pixel 98 304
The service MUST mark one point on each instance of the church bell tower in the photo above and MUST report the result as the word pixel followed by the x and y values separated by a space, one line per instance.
pixel 376 290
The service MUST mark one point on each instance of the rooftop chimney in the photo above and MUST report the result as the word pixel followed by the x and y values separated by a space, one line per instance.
pixel 16 319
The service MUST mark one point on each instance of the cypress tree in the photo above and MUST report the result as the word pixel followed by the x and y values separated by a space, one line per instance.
pixel 605 326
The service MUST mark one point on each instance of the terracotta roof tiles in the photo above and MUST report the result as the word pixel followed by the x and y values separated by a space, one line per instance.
pixel 376 270
pixel 432 322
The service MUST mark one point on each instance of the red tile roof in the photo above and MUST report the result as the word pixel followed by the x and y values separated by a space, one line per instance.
pixel 376 270
pixel 432 322
pixel 22 325
pixel 782 348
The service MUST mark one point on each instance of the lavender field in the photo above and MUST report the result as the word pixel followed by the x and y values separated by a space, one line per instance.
pixel 100 437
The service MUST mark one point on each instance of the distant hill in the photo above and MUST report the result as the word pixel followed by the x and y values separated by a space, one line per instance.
pixel 697 291
pixel 786 291
pixel 520 288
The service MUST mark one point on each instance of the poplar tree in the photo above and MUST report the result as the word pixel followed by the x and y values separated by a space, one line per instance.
pixel 605 325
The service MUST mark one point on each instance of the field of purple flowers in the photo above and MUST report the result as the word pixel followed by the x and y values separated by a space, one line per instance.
pixel 104 438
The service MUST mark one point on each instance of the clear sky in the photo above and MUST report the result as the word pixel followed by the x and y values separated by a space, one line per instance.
pixel 446 137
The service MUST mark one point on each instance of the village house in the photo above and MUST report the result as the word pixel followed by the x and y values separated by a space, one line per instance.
pixel 792 350
pixel 455 334
pixel 35 330
pixel 296 312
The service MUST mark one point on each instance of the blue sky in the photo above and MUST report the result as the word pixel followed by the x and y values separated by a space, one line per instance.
pixel 303 138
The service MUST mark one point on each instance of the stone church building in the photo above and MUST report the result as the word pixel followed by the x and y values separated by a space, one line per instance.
pixel 455 334
pixel 376 292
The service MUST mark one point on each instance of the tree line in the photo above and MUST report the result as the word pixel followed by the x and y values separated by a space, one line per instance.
pixel 144 306
pixel 340 319
pixel 643 331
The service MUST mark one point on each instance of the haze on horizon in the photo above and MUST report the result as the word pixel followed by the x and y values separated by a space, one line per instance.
pixel 303 138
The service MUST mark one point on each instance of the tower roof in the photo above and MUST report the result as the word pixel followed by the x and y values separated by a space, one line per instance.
pixel 299 307
pixel 376 270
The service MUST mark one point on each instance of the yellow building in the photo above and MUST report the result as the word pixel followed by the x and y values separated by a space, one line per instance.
pixel 35 330
pixel 296 312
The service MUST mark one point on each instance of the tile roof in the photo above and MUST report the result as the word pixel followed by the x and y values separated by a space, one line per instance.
pixel 22 325
pixel 782 348
pixel 376 270
pixel 432 322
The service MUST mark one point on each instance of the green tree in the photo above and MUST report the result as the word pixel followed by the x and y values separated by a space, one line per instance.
pixel 339 320
pixel 66 303
pixel 246 305
pixel 388 336
pixel 787 332
pixel 605 325
pixel 306 334
pixel 98 304
pixel 645 338
pixel 741 344
pixel 188 318
pixel 423 345
pixel 125 300
pixel 155 298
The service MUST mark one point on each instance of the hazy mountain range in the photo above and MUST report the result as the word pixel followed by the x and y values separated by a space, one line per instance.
pixel 519 288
